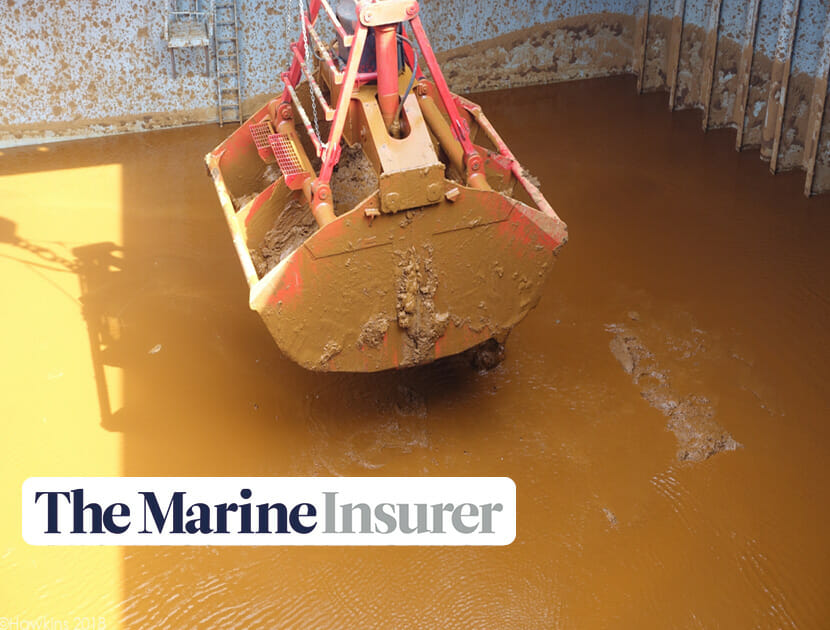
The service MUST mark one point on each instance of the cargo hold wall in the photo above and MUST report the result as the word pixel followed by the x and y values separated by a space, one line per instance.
pixel 77 69
pixel 758 66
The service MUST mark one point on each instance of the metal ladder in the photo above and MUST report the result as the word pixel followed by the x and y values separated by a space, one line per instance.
pixel 226 47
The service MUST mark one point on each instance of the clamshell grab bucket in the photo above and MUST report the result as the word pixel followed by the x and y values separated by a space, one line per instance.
pixel 400 240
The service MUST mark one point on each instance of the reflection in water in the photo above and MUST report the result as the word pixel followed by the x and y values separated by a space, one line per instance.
pixel 718 269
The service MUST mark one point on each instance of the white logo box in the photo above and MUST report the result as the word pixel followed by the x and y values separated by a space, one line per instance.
pixel 295 511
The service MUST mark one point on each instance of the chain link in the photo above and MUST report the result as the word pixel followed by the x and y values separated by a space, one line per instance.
pixel 307 50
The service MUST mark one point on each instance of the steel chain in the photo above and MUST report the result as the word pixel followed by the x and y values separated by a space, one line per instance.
pixel 307 51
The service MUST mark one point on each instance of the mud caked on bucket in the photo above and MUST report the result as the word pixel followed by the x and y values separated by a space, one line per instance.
pixel 410 234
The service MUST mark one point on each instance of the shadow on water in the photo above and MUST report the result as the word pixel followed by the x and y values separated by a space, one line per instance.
pixel 205 389
pixel 178 341
pixel 100 269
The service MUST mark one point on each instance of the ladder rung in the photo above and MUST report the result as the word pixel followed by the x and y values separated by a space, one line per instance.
pixel 228 88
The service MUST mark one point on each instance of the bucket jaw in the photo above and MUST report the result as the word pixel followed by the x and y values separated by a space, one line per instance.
pixel 411 234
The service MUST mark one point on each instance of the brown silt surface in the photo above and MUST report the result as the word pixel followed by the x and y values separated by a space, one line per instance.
pixel 663 410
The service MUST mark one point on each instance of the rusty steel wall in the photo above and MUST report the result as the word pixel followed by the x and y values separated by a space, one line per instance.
pixel 83 67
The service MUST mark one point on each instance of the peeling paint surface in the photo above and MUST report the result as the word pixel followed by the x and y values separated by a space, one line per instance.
pixel 77 64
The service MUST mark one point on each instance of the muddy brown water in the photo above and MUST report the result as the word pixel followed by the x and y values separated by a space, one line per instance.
pixel 130 350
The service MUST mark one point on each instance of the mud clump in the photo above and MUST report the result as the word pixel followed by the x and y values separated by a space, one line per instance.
pixel 416 314
pixel 291 229
pixel 628 352
pixel 351 183
pixel 409 402
pixel 373 332
pixel 353 179
pixel 330 350
pixel 699 435
pixel 690 417
pixel 531 178
pixel 486 355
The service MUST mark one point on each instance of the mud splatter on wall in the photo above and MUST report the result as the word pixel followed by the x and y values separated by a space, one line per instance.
pixel 753 65
pixel 70 69
pixel 571 48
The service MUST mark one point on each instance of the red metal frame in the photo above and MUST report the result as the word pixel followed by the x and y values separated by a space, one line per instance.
pixel 331 153
pixel 347 39
pixel 335 71
pixel 309 76
pixel 301 281
pixel 386 51
pixel 386 76
pixel 259 133
pixel 505 152
pixel 292 95
pixel 295 71
pixel 460 129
